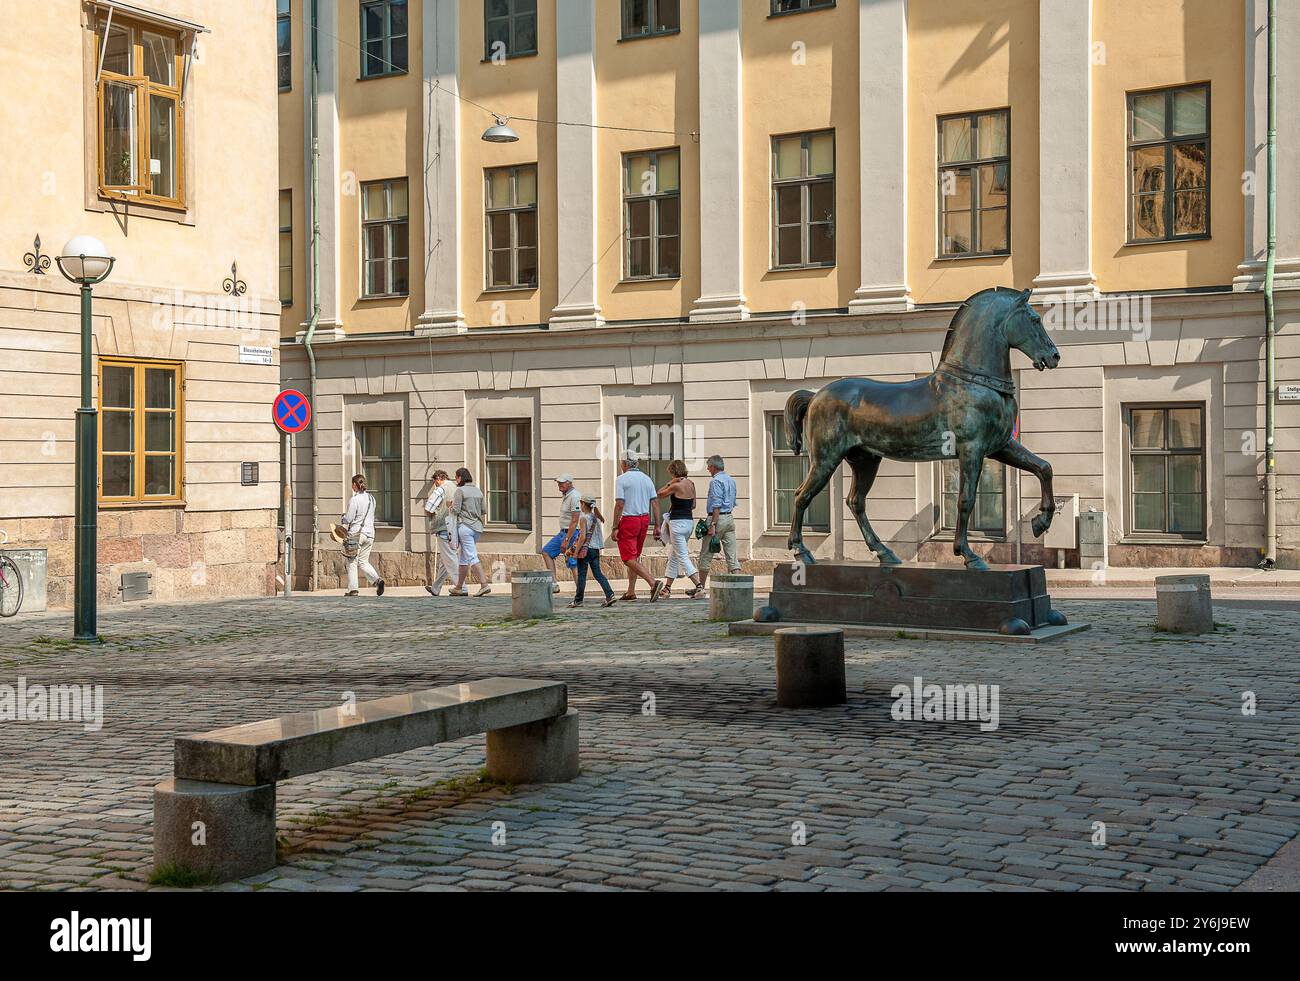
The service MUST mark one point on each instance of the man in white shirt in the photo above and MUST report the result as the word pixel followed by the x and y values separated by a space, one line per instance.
pixel 636 510
pixel 438 508
pixel 359 520
pixel 570 509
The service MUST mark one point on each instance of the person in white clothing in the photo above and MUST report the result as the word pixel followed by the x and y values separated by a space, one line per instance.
pixel 438 507
pixel 359 521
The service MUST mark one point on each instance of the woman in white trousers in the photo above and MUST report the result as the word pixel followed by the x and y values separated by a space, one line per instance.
pixel 680 491
pixel 360 524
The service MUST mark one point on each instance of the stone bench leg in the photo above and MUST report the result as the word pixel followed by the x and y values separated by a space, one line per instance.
pixel 539 752
pixel 237 833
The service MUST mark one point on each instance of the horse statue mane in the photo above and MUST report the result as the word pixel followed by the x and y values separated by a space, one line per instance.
pixel 959 318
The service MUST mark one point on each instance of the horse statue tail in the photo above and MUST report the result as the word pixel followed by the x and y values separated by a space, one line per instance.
pixel 795 410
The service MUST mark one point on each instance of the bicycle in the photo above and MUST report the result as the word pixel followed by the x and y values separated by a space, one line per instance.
pixel 11 583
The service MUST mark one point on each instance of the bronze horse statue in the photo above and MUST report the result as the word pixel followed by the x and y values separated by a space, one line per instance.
pixel 965 410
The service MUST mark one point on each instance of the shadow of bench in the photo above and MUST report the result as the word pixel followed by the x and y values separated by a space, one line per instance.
pixel 216 816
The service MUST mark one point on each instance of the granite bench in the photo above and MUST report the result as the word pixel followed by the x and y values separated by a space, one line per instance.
pixel 216 816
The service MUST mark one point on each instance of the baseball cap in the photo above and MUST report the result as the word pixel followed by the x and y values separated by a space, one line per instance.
pixel 563 478
pixel 588 499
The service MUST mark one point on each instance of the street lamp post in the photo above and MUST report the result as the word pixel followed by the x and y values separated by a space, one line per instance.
pixel 86 262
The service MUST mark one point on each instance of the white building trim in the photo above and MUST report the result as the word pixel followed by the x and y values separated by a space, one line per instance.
pixel 722 245
pixel 330 325
pixel 882 34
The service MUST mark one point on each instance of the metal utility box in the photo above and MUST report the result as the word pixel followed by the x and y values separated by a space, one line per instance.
pixel 135 587
pixel 1094 548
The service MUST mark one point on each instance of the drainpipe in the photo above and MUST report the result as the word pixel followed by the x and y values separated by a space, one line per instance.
pixel 315 300
pixel 1270 273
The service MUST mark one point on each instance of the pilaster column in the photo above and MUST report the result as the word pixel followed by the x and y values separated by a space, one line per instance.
pixel 442 242
pixel 722 295
pixel 1065 150
pixel 575 29
pixel 882 118
pixel 1250 274
pixel 330 324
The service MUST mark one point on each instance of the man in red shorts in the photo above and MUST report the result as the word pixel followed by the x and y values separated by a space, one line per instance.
pixel 636 508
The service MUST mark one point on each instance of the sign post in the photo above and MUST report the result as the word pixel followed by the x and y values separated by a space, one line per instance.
pixel 292 414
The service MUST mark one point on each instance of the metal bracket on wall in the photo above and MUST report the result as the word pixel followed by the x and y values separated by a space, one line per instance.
pixel 34 261
pixel 234 285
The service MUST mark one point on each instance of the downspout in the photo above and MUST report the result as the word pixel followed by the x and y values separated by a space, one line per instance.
pixel 315 299
pixel 1270 275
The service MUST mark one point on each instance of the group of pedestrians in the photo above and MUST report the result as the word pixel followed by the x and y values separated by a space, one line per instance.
pixel 456 522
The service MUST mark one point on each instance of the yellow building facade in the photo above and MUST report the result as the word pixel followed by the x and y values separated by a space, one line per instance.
pixel 133 123
pixel 713 203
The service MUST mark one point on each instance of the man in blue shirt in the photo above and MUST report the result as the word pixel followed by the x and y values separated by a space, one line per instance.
pixel 722 525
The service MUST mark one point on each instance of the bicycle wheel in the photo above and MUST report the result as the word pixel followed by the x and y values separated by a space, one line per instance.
pixel 11 587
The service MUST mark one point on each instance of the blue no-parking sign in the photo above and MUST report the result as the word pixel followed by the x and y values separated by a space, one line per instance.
pixel 292 412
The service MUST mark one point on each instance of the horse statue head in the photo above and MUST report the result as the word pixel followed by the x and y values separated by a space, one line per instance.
pixel 993 322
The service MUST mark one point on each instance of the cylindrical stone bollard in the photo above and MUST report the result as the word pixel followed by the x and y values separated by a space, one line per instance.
pixel 1183 604
pixel 810 667
pixel 731 597
pixel 530 595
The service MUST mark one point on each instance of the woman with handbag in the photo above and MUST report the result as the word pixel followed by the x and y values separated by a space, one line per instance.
pixel 680 492
pixel 359 527
pixel 467 518
pixel 591 539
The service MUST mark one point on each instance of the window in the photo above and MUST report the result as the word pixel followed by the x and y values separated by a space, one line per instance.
pixel 975 184
pixel 795 6
pixel 383 38
pixel 511 227
pixel 379 445
pixel 786 476
pixel 384 237
pixel 140 114
pixel 803 200
pixel 140 431
pixel 1169 134
pixel 1166 447
pixel 284 44
pixel 652 210
pixel 510 29
pixel 286 248
pixel 653 440
pixel 989 516
pixel 508 473
pixel 644 18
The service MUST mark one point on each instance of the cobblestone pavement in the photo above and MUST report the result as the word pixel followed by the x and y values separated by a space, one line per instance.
pixel 1117 725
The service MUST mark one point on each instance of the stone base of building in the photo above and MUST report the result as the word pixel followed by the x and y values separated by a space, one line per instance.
pixel 189 555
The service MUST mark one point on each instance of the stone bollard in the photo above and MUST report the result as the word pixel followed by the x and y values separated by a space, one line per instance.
pixel 1183 604
pixel 530 595
pixel 810 667
pixel 731 597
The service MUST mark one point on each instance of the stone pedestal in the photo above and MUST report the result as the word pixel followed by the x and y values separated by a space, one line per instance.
pixel 810 667
pixel 539 752
pixel 219 830
pixel 731 597
pixel 1183 604
pixel 530 595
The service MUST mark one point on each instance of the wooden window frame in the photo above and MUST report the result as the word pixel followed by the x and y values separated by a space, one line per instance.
pixel 1131 532
pixel 973 167
pixel 139 453
pixel 805 7
pixel 653 19
pixel 778 418
pixel 145 91
pixel 644 457
pixel 362 459
pixel 1169 142
pixel 287 230
pixel 284 55
pixel 389 222
pixel 514 210
pixel 510 459
pixel 946 530
pixel 511 18
pixel 390 67
pixel 656 201
pixel 806 181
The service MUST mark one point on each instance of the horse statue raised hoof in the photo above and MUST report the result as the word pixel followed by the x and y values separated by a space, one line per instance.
pixel 966 410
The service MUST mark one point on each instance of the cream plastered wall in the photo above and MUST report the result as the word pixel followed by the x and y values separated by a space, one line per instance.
pixel 651 83
pixel 292 114
pixel 44 57
pixel 780 97
pixel 523 86
pixel 1153 45
pixel 968 56
pixel 381 136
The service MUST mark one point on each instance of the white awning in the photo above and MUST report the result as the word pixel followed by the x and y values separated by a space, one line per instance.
pixel 152 16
